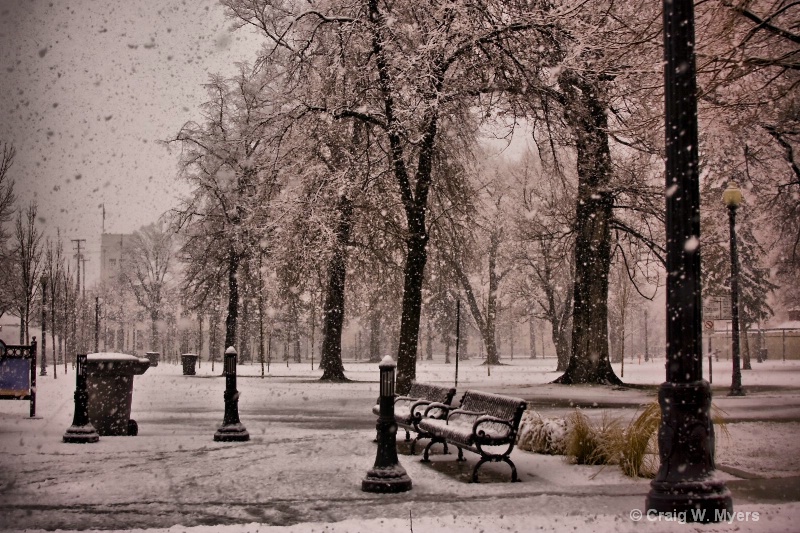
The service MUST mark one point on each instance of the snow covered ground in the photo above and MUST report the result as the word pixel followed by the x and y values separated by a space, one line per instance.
pixel 311 444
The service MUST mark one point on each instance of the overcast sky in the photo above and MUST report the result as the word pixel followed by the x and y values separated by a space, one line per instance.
pixel 89 87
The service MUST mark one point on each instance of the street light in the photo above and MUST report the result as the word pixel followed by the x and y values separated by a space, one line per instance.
pixel 685 484
pixel 387 475
pixel 231 430
pixel 732 198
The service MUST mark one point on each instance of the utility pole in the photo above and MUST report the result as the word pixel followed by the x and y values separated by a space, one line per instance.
pixel 79 256
pixel 83 289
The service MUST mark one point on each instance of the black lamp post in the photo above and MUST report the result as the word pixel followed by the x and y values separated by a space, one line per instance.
pixel 43 371
pixel 81 431
pixel 387 475
pixel 231 429
pixel 732 198
pixel 684 482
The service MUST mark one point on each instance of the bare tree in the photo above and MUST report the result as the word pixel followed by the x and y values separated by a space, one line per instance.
pixel 147 271
pixel 421 67
pixel 28 258
pixel 7 200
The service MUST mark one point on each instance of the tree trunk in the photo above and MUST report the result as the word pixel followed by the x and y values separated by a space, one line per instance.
pixel 199 336
pixel 54 328
pixel 429 341
pixel 374 337
pixel 511 340
pixel 331 363
pixel 296 335
pixel 243 327
pixel 492 357
pixel 213 331
pixel 416 259
pixel 532 336
pixel 586 114
pixel 561 343
pixel 233 298
pixel 154 330
pixel 44 330
pixel 746 346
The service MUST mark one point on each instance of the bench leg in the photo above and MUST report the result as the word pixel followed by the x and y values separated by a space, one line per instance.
pixel 433 441
pixel 408 437
pixel 414 445
pixel 514 477
pixel 475 470
pixel 495 458
pixel 460 454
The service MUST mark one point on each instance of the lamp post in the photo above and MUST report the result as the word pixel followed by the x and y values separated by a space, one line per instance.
pixel 231 429
pixel 387 475
pixel 81 431
pixel 43 371
pixel 732 198
pixel 685 480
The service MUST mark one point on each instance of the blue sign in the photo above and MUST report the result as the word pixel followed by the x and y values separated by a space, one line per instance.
pixel 15 376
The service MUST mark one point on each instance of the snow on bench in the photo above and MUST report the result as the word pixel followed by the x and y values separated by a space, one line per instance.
pixel 483 419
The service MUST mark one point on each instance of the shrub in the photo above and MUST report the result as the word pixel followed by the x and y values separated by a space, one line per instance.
pixel 589 444
pixel 638 449
pixel 542 435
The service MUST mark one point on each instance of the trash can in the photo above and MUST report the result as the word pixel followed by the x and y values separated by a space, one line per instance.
pixel 189 360
pixel 109 382
pixel 153 357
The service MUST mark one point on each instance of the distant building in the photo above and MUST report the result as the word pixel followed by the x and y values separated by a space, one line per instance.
pixel 112 249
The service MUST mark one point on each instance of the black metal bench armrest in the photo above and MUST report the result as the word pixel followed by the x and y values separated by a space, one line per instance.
pixel 418 408
pixel 488 418
pixel 465 412
pixel 437 405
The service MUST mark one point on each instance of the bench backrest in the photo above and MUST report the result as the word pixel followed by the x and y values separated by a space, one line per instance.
pixel 434 393
pixel 505 407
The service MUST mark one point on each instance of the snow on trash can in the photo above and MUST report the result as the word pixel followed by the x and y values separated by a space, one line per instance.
pixel 109 382
pixel 189 360
pixel 153 357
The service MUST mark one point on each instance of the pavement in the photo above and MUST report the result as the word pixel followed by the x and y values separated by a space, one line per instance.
pixel 304 463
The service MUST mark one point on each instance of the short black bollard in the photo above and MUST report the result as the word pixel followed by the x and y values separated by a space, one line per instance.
pixel 387 475
pixel 231 429
pixel 81 431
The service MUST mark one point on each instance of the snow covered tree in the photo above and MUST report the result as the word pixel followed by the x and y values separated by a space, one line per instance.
pixel 749 76
pixel 27 259
pixel 147 270
pixel 543 248
pixel 421 67
pixel 7 200
pixel 229 160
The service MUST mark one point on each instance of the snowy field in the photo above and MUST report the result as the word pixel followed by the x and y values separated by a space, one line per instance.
pixel 311 444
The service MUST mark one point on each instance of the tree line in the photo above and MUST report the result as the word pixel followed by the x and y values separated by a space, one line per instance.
pixel 351 170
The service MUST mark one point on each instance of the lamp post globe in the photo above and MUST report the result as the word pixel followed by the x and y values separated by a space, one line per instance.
pixel 732 198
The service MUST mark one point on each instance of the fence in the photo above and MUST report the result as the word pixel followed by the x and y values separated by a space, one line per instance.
pixel 780 343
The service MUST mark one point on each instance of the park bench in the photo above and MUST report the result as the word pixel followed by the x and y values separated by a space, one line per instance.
pixel 483 420
pixel 409 409
pixel 18 373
